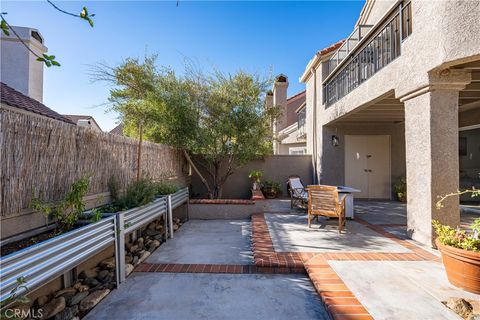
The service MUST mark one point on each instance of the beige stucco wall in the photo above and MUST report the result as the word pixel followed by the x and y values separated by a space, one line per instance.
pixel 276 167
pixel 445 33
pixel 378 9
pixel 332 170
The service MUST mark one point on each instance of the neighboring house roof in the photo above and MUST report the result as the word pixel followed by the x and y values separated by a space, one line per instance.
pixel 75 118
pixel 15 99
pixel 118 130
pixel 296 96
pixel 317 58
pixel 293 103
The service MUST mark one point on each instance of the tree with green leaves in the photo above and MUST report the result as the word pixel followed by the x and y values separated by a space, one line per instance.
pixel 218 120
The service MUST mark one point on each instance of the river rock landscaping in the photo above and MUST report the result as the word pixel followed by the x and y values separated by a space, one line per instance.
pixel 96 283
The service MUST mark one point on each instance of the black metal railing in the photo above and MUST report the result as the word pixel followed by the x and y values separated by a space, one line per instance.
pixel 378 51
pixel 302 120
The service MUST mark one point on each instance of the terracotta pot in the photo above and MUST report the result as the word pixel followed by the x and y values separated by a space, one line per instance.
pixel 270 193
pixel 462 267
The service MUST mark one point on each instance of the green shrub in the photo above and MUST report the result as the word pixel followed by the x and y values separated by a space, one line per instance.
pixel 137 194
pixel 269 184
pixel 96 215
pixel 67 212
pixel 165 188
pixel 255 175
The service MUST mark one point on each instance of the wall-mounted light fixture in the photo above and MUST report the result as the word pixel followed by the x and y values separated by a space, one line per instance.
pixel 335 141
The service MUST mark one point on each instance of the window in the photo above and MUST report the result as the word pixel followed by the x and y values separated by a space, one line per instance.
pixel 295 151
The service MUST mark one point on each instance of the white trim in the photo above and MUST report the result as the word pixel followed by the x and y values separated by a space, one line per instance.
pixel 303 149
pixel 475 126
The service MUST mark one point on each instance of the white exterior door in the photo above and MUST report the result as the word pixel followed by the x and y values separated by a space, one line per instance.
pixel 367 165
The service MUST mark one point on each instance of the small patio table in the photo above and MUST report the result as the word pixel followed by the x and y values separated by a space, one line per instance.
pixel 348 199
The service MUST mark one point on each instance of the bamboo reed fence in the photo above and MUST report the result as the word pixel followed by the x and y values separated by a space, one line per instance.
pixel 43 157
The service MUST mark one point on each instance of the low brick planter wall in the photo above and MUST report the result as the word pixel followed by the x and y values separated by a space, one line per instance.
pixel 222 208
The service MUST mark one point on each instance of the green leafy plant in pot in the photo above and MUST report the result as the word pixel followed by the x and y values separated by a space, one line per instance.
pixel 271 189
pixel 400 187
pixel 255 176
pixel 460 249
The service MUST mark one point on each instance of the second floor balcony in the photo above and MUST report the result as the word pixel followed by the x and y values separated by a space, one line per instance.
pixel 374 50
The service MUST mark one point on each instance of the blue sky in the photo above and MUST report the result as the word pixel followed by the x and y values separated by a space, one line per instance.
pixel 261 37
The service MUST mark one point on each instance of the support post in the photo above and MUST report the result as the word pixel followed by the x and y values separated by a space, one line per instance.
pixel 120 248
pixel 69 277
pixel 432 161
pixel 170 216
pixel 165 218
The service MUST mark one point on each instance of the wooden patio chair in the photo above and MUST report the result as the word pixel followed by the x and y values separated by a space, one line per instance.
pixel 325 201
pixel 298 193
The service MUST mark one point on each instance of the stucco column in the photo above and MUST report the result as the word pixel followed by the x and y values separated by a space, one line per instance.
pixel 431 137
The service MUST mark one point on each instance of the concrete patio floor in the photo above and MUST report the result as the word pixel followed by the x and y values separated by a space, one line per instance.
pixel 290 234
pixel 364 273
pixel 212 296
pixel 208 242
pixel 400 289
pixel 174 295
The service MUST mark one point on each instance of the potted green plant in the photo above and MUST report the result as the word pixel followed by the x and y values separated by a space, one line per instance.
pixel 400 187
pixel 271 189
pixel 255 176
pixel 460 250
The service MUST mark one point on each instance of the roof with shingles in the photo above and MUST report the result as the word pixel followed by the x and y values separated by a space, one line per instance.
pixel 16 99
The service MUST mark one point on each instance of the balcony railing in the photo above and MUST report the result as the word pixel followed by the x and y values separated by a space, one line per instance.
pixel 302 120
pixel 378 50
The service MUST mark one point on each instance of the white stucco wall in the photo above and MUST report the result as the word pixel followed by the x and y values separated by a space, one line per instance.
pixel 19 68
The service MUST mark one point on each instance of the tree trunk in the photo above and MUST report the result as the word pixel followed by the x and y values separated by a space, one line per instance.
pixel 204 181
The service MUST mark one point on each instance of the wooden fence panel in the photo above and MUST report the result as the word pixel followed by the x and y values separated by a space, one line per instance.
pixel 43 157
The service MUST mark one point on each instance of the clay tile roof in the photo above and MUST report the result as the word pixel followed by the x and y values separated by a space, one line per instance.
pixel 333 47
pixel 13 98
pixel 296 96
pixel 118 130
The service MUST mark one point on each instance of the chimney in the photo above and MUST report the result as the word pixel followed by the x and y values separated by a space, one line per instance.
pixel 19 67
pixel 280 99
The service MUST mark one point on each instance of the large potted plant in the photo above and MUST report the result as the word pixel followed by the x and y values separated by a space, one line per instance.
pixel 460 251
pixel 255 176
pixel 271 189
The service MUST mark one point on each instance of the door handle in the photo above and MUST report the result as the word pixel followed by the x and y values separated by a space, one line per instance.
pixel 367 170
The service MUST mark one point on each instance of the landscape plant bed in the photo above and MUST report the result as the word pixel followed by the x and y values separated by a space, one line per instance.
pixel 144 231
pixel 12 247
pixel 139 194
pixel 94 284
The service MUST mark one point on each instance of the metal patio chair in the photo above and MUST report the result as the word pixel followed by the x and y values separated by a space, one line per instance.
pixel 297 191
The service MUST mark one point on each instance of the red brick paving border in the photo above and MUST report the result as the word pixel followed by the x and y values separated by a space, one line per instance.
pixel 215 268
pixel 340 302
pixel 222 201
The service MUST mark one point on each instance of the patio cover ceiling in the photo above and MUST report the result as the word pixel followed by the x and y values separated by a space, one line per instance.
pixel 381 110
pixel 387 109
pixel 470 96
